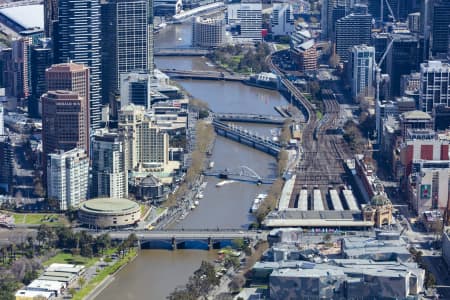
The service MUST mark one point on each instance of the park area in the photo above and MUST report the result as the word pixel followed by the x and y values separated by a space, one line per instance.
pixel 37 218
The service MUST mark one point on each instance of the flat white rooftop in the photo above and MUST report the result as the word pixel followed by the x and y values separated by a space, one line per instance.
pixel 33 294
pixel 45 285
pixel 28 16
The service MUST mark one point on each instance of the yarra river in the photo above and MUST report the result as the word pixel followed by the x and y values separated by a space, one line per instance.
pixel 155 273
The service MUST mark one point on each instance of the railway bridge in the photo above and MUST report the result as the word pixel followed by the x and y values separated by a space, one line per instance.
pixel 245 137
pixel 249 118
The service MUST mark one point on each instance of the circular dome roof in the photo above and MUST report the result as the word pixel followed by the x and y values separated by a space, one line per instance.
pixel 379 200
pixel 109 206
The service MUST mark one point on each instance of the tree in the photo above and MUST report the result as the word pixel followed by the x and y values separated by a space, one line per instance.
pixel 238 243
pixel 12 251
pixel 72 291
pixel 81 281
pixel 103 242
pixel 314 88
pixel 430 280
pixel 29 276
pixel 283 159
pixel 8 286
pixel 4 253
pixel 44 235
pixel 30 245
pixel 237 283
pixel 231 261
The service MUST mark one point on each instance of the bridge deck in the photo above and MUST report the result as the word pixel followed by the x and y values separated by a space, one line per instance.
pixel 249 118
pixel 246 138
pixel 186 234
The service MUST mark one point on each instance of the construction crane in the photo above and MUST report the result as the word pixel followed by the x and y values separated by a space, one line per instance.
pixel 391 11
pixel 377 67
pixel 389 8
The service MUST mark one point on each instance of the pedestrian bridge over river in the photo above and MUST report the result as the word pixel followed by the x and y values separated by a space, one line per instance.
pixel 188 239
pixel 243 173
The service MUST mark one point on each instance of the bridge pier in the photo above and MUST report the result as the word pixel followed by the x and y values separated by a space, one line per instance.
pixel 174 243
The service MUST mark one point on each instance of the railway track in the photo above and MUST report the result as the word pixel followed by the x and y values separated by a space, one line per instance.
pixel 323 153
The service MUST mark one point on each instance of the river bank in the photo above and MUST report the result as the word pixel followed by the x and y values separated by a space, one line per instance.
pixel 155 273
pixel 105 277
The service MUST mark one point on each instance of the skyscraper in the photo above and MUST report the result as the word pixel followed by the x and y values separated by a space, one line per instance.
pixel 125 41
pixel 145 143
pixel 354 29
pixel 20 54
pixel 2 122
pixel 440 22
pixel 325 18
pixel 209 31
pixel 403 58
pixel 248 14
pixel 68 177
pixel 41 59
pixel 362 71
pixel 109 174
pixel 70 77
pixel 63 122
pixel 434 85
pixel 78 39
pixel 6 164
pixel 282 19
pixel 135 89
pixel 50 17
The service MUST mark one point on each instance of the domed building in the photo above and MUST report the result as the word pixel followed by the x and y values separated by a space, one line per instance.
pixel 150 189
pixel 379 211
pixel 109 212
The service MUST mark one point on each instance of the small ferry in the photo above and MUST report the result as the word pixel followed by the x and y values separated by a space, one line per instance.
pixel 257 202
pixel 222 183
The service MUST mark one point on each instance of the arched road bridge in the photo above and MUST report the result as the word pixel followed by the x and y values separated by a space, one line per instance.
pixel 174 239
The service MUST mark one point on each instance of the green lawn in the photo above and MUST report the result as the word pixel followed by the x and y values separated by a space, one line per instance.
pixel 68 258
pixel 37 219
pixel 281 46
pixel 144 209
pixel 319 115
pixel 159 210
pixel 103 274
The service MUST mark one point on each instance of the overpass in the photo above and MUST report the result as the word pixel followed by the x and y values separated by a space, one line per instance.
pixel 203 75
pixel 180 52
pixel 202 10
pixel 249 118
pixel 187 239
pixel 245 137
